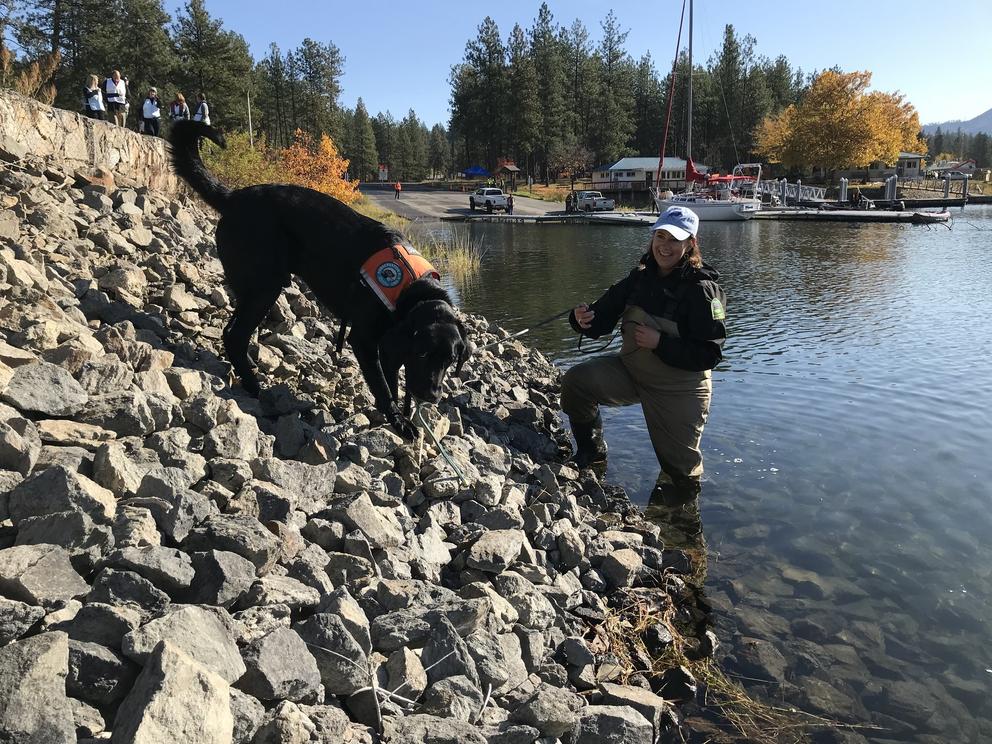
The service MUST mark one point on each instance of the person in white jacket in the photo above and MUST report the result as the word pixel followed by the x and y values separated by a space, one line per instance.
pixel 115 89
pixel 93 99
pixel 202 112
pixel 151 112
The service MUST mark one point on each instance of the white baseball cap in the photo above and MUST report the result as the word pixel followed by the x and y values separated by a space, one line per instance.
pixel 679 222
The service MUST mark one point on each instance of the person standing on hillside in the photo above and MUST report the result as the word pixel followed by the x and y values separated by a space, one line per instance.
pixel 93 99
pixel 115 89
pixel 202 109
pixel 397 188
pixel 178 110
pixel 673 310
pixel 151 112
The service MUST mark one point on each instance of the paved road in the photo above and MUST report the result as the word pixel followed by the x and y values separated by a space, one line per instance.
pixel 420 202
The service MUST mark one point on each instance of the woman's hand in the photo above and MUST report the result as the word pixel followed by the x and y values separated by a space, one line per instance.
pixel 583 315
pixel 646 337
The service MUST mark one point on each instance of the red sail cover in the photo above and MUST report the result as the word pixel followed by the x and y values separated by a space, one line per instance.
pixel 391 270
pixel 692 175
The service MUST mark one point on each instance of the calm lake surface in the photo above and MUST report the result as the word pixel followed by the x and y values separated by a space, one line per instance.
pixel 847 506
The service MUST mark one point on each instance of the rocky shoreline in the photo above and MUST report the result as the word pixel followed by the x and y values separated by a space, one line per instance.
pixel 180 562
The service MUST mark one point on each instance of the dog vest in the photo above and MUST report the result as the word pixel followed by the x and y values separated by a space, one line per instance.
pixel 391 270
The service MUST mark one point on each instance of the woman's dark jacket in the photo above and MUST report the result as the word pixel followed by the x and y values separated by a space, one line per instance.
pixel 691 297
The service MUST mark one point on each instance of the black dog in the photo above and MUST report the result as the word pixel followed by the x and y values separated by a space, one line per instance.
pixel 269 232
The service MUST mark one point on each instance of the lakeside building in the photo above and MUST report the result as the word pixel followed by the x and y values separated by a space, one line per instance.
pixel 637 174
pixel 909 166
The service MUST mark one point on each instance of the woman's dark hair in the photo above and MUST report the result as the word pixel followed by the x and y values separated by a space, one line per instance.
pixel 692 256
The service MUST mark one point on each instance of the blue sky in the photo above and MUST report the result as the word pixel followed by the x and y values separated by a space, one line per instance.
pixel 398 54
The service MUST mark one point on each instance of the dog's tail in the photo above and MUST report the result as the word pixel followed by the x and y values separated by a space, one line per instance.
pixel 185 140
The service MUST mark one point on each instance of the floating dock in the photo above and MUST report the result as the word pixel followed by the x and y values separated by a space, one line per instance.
pixel 640 219
pixel 854 215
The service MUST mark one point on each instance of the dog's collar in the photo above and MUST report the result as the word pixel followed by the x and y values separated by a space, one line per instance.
pixel 391 270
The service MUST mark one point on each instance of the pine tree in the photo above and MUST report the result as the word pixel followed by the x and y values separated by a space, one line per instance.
pixel 549 62
pixel 362 151
pixel 614 123
pixel 524 117
pixel 649 108
pixel 320 67
pixel 213 61
pixel 438 152
pixel 272 99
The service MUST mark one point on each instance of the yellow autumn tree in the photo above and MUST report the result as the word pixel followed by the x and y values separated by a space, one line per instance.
pixel 318 166
pixel 838 124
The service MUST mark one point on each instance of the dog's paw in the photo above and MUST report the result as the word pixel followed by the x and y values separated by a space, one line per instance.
pixel 404 426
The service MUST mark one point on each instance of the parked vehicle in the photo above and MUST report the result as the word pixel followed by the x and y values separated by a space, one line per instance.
pixel 593 201
pixel 492 200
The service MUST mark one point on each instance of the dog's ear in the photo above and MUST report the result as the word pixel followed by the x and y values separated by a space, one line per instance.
pixel 465 350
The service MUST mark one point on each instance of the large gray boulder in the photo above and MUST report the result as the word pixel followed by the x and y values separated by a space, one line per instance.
pixel 197 632
pixel 280 667
pixel 44 388
pixel 341 660
pixel 39 575
pixel 33 705
pixel 175 700
pixel 612 724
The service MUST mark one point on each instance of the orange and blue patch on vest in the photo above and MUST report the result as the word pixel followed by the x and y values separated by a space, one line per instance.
pixel 391 270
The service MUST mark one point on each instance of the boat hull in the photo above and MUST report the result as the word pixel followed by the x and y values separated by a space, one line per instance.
pixel 713 210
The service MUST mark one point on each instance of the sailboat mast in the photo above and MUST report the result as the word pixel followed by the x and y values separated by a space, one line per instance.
pixel 688 139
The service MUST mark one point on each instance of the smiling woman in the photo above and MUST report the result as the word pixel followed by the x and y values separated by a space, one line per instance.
pixel 673 312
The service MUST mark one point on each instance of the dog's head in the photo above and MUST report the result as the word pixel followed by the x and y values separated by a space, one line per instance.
pixel 427 341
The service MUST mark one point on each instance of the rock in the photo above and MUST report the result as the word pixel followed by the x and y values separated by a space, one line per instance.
pixel 222 577
pixel 197 632
pixel 39 575
pixel 127 588
pixel 285 724
pixel 455 698
pixel 621 567
pixel 239 534
pixel 134 527
pixel 341 660
pixel 654 708
pixel 87 720
pixel 248 715
pixel 271 590
pixel 406 674
pixel 426 729
pixel 73 433
pixel 167 568
pixel 103 624
pixel 46 389
pixel 759 658
pixel 126 412
pixel 98 675
pixel 341 604
pixel 16 618
pixel 379 526
pixel 551 711
pixel 496 550
pixel 175 699
pixel 490 662
pixel 280 668
pixel 57 489
pixel 20 443
pixel 352 479
pixel 446 655
pixel 33 704
pixel 612 724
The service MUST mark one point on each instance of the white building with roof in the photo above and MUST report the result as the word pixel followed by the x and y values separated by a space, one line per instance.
pixel 638 174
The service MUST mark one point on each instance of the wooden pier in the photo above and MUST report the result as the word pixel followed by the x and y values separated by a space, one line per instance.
pixel 642 219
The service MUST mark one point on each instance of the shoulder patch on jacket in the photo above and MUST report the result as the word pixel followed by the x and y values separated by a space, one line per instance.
pixel 716 309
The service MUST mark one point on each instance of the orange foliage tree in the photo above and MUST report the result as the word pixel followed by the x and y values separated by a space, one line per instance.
pixel 838 124
pixel 318 166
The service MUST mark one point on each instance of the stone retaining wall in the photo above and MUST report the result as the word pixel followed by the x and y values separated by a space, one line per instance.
pixel 70 141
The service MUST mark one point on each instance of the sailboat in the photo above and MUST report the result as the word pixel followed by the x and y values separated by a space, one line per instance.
pixel 731 197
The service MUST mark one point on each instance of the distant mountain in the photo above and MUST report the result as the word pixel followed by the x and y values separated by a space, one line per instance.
pixel 981 123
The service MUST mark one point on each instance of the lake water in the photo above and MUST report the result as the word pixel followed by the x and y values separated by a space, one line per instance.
pixel 847 506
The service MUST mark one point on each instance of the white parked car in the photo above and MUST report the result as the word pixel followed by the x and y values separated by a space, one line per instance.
pixel 491 200
pixel 593 201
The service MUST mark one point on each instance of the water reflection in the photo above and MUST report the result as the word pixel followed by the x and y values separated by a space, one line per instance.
pixel 847 493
